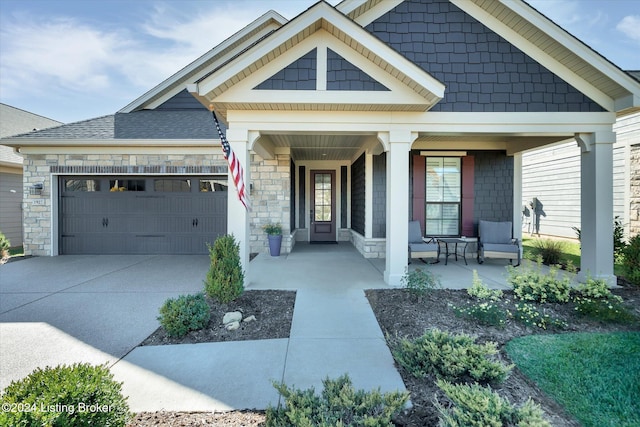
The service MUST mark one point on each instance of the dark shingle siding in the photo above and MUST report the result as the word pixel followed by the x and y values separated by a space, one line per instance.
pixel 182 101
pixel 357 195
pixel 379 222
pixel 299 75
pixel 481 70
pixel 493 186
pixel 343 75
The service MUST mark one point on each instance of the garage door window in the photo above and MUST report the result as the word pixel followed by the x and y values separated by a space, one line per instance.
pixel 126 185
pixel 172 185
pixel 209 185
pixel 81 185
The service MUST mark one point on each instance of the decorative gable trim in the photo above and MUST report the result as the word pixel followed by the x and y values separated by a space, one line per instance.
pixel 321 26
pixel 244 38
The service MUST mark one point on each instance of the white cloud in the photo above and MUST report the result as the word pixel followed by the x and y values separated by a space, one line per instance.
pixel 630 26
pixel 59 51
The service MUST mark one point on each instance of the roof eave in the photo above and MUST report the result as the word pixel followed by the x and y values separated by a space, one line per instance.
pixel 178 78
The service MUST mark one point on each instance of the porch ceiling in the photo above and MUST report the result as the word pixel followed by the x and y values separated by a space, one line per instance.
pixel 321 146
pixel 338 147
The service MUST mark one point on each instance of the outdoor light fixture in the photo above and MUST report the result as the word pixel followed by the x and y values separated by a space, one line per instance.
pixel 36 189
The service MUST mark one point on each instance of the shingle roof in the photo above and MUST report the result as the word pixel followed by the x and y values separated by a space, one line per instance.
pixel 145 124
pixel 98 128
pixel 165 124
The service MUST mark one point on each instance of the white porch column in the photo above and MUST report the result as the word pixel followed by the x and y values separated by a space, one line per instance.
pixel 397 238
pixel 596 168
pixel 237 215
pixel 517 198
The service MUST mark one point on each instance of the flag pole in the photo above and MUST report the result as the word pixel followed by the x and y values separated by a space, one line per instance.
pixel 235 167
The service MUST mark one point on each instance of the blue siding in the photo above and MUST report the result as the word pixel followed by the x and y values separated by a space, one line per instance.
pixel 299 75
pixel 357 195
pixel 182 101
pixel 379 221
pixel 343 75
pixel 481 70
pixel 493 186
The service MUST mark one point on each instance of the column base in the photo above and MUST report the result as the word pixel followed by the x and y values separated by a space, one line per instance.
pixel 393 280
pixel 611 279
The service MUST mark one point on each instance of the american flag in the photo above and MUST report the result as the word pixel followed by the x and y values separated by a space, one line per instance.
pixel 234 166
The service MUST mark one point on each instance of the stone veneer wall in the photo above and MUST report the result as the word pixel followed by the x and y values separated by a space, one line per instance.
pixel 39 168
pixel 270 201
pixel 634 197
pixel 369 248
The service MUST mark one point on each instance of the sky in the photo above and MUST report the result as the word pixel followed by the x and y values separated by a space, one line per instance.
pixel 72 60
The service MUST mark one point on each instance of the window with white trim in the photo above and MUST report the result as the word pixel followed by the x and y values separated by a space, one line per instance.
pixel 443 196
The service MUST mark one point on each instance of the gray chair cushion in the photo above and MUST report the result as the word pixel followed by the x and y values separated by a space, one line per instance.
pixel 495 232
pixel 415 233
pixel 423 247
pixel 501 247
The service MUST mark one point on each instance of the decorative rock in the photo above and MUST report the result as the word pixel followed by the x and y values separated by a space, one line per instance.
pixel 232 326
pixel 232 316
pixel 248 319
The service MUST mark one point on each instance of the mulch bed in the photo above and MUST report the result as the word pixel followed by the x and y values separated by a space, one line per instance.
pixel 273 311
pixel 399 315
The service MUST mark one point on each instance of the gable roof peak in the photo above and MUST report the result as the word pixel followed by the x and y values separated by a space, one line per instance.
pixel 248 35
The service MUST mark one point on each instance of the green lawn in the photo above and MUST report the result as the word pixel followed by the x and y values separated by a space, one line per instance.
pixel 594 376
pixel 571 253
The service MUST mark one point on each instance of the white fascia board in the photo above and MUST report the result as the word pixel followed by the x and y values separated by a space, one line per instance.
pixel 377 11
pixel 348 6
pixel 631 101
pixel 534 52
pixel 321 11
pixel 275 40
pixel 180 75
pixel 524 124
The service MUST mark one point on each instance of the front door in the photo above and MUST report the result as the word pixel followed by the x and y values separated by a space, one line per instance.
pixel 323 206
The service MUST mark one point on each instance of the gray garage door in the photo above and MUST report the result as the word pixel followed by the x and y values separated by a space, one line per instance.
pixel 141 215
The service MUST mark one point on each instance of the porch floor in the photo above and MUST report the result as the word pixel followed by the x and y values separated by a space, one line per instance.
pixel 341 266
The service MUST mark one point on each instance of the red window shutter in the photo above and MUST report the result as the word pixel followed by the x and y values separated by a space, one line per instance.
pixel 468 163
pixel 419 189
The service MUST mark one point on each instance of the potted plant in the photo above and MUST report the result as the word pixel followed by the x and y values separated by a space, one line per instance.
pixel 274 234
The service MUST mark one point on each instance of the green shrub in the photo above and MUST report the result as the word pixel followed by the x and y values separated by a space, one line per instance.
pixel 5 244
pixel 594 299
pixel 618 240
pixel 76 395
pixel 477 406
pixel 419 282
pixel 183 314
pixel 531 316
pixel 551 251
pixel 486 313
pixel 631 262
pixel 532 284
pixel 338 405
pixel 450 357
pixel 481 291
pixel 225 279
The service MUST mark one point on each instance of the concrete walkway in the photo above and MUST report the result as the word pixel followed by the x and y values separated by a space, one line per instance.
pixel 333 332
pixel 98 309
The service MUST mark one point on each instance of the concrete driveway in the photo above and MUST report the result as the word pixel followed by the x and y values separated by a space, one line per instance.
pixel 98 309
pixel 87 308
